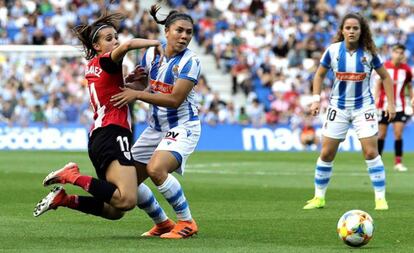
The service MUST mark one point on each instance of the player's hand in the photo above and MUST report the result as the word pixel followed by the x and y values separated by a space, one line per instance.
pixel 390 112
pixel 314 109
pixel 125 97
pixel 137 79
pixel 138 74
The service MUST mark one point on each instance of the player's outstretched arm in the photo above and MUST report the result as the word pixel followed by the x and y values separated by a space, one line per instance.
pixel 119 52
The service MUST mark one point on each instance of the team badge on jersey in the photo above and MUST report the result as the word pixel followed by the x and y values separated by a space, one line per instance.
pixel 175 71
pixel 364 60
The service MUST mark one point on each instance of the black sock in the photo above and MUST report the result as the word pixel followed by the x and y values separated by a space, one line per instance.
pixel 102 190
pixel 90 205
pixel 398 147
pixel 380 146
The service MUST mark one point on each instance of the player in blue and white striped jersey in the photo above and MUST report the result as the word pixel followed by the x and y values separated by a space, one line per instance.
pixel 352 57
pixel 174 127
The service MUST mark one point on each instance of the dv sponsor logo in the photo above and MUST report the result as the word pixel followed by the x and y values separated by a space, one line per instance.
pixel 370 116
pixel 171 135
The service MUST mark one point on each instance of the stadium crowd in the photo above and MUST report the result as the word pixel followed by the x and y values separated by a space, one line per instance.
pixel 271 48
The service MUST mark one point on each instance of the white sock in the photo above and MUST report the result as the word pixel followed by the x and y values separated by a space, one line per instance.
pixel 323 173
pixel 173 193
pixel 148 203
pixel 377 175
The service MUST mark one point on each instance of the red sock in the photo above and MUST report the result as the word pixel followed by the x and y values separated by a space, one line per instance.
pixel 72 201
pixel 398 159
pixel 84 182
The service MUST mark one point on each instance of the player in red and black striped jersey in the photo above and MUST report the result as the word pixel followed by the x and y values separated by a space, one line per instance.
pixel 115 189
pixel 402 77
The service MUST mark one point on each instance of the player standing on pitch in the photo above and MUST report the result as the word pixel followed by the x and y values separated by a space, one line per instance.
pixel 402 77
pixel 352 57
pixel 109 142
pixel 174 127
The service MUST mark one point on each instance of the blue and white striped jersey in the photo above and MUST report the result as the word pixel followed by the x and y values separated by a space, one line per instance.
pixel 351 88
pixel 184 65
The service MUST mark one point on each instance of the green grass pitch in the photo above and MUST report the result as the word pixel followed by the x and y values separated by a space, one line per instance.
pixel 243 202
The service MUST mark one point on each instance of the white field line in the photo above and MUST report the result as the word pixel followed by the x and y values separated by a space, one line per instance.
pixel 234 168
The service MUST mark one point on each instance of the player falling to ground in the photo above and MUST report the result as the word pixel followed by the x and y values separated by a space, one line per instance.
pixel 174 126
pixel 401 74
pixel 109 142
pixel 352 57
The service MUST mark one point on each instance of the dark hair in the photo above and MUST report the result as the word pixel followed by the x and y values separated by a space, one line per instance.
pixel 171 17
pixel 365 39
pixel 89 34
pixel 398 46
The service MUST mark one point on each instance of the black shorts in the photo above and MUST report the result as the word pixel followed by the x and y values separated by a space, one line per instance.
pixel 108 144
pixel 399 117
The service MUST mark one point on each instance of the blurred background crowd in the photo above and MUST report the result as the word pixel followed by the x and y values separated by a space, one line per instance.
pixel 271 49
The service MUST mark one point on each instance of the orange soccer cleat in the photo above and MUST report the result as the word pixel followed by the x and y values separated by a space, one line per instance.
pixel 68 174
pixel 53 200
pixel 183 229
pixel 160 228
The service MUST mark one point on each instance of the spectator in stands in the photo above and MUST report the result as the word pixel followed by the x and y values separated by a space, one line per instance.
pixel 241 75
pixel 37 114
pixel 256 113
pixel 21 113
pixel 71 110
pixel 227 113
pixel 212 117
pixel 308 136
pixel 272 117
pixel 243 118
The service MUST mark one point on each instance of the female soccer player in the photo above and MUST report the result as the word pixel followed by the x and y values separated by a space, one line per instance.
pixel 174 126
pixel 402 77
pixel 109 144
pixel 352 57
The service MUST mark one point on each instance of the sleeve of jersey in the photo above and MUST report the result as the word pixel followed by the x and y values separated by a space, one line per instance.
pixel 108 64
pixel 191 70
pixel 326 59
pixel 376 62
pixel 145 60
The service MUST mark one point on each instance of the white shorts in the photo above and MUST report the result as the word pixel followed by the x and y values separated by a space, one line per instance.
pixel 182 139
pixel 338 121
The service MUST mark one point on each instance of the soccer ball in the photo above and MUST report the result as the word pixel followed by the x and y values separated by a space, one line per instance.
pixel 355 228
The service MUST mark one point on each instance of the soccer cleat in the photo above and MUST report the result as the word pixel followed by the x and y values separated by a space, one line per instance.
pixel 400 167
pixel 51 201
pixel 67 174
pixel 315 203
pixel 181 230
pixel 381 204
pixel 160 228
